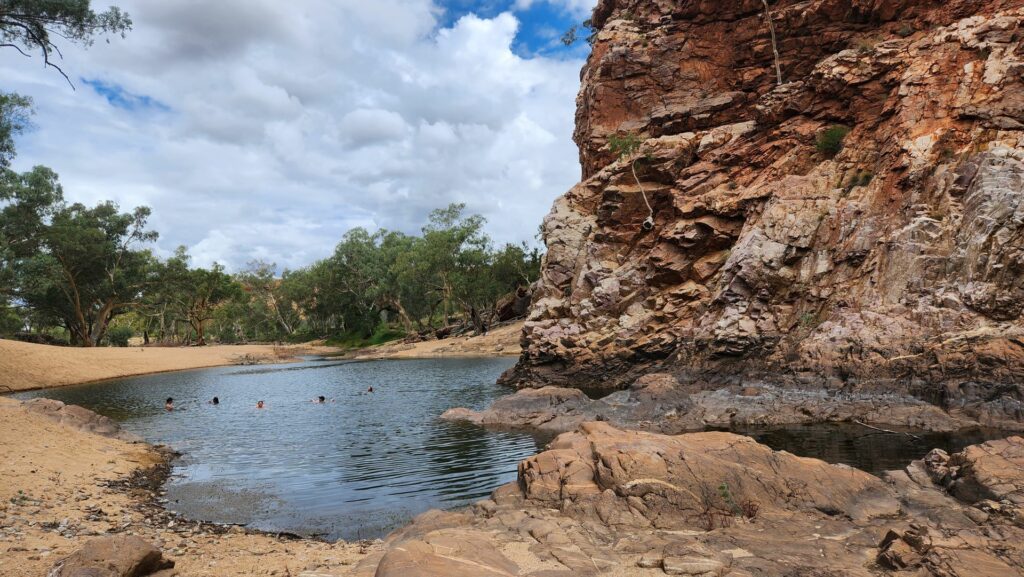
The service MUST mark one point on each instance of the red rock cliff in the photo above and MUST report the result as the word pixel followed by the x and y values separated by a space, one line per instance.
pixel 892 259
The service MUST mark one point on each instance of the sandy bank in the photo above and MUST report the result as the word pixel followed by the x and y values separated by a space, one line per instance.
pixel 25 366
pixel 501 342
pixel 53 498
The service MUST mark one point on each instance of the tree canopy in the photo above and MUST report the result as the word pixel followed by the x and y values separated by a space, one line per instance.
pixel 73 272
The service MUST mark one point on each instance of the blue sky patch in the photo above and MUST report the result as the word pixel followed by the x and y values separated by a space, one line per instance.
pixel 118 97
pixel 540 30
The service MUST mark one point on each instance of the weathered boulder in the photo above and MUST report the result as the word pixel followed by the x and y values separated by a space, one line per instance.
pixel 114 557
pixel 637 479
pixel 989 476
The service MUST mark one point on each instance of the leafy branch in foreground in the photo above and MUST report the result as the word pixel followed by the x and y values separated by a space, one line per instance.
pixel 30 25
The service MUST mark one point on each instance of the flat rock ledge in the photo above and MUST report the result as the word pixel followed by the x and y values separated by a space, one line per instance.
pixel 80 418
pixel 603 501
pixel 660 403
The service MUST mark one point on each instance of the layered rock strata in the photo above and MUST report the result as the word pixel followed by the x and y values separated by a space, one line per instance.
pixel 783 249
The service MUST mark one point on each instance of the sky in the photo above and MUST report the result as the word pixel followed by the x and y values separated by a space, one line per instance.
pixel 258 129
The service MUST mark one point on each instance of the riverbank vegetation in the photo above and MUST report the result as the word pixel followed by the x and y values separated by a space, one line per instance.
pixel 88 275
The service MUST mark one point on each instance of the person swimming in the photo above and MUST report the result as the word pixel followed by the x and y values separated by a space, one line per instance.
pixel 370 390
pixel 215 401
pixel 169 404
pixel 259 405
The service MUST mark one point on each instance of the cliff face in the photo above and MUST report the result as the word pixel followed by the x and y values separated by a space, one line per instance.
pixel 896 263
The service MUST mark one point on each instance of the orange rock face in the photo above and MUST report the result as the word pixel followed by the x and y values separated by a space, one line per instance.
pixel 887 255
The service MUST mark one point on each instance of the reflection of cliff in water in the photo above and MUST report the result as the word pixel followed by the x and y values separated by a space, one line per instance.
pixel 863 448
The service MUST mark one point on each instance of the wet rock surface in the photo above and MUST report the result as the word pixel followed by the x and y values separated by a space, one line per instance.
pixel 887 260
pixel 603 501
pixel 659 402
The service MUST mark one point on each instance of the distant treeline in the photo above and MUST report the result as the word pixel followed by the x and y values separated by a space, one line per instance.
pixel 84 275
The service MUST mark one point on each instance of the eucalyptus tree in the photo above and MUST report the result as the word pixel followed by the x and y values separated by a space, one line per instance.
pixel 30 26
pixel 89 268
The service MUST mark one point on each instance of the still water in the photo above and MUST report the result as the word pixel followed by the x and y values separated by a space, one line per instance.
pixel 364 463
pixel 355 467
pixel 863 448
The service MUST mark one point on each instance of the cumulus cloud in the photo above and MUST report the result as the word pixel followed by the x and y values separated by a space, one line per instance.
pixel 578 8
pixel 255 130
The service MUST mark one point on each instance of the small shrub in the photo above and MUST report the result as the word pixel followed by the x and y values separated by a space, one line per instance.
pixel 859 179
pixel 830 141
pixel 624 144
pixel 905 31
pixel 864 46
pixel 807 319
pixel 118 336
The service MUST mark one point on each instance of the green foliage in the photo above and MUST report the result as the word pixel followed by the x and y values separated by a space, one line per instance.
pixel 905 31
pixel 726 495
pixel 571 36
pixel 15 111
pixel 10 321
pixel 382 334
pixel 829 142
pixel 74 266
pixel 118 336
pixel 78 268
pixel 31 25
pixel 624 144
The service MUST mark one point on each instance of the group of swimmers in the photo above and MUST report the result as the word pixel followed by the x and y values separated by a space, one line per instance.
pixel 321 400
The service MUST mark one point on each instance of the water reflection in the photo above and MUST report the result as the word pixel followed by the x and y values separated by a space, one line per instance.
pixel 352 468
pixel 863 448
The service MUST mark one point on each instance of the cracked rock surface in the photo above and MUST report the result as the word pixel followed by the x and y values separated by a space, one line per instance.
pixel 603 501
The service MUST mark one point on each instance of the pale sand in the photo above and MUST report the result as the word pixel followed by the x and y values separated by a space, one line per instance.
pixel 501 342
pixel 49 474
pixel 25 366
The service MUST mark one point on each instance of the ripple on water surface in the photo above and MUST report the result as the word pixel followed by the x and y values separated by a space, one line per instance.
pixel 352 468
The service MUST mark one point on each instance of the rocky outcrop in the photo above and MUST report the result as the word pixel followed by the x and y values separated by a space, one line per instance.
pixel 785 250
pixel 79 418
pixel 659 403
pixel 115 557
pixel 603 501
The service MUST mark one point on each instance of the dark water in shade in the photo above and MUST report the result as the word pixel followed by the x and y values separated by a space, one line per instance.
pixel 354 468
pixel 863 448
